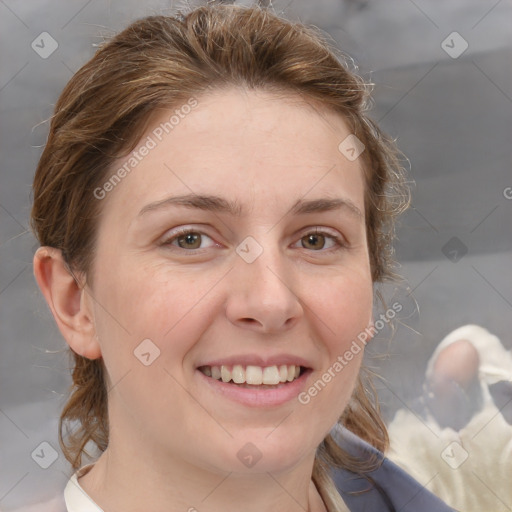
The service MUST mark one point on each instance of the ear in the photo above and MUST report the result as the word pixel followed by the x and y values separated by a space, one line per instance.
pixel 66 299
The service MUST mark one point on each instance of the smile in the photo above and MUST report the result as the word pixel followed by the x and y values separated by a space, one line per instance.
pixel 253 375
pixel 255 386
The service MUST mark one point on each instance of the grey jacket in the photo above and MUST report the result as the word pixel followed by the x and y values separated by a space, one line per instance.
pixel 386 489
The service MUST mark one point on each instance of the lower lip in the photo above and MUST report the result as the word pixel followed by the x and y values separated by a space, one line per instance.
pixel 264 397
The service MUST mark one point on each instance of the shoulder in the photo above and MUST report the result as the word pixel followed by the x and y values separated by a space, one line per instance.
pixel 386 488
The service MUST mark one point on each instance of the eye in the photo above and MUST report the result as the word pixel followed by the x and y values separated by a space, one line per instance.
pixel 316 240
pixel 192 240
pixel 187 239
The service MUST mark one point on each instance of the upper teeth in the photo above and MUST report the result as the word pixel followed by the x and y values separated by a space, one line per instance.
pixel 253 374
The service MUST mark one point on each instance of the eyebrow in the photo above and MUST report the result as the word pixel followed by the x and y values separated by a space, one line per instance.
pixel 221 205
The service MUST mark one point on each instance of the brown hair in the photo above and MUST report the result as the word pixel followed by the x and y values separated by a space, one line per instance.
pixel 160 62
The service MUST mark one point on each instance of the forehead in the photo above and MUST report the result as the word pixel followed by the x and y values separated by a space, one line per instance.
pixel 240 143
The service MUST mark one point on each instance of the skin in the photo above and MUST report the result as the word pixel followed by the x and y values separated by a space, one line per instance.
pixel 458 362
pixel 173 441
pixel 455 371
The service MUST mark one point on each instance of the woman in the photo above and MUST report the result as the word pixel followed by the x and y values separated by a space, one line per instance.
pixel 213 208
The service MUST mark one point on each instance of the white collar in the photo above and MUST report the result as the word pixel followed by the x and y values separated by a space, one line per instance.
pixel 77 500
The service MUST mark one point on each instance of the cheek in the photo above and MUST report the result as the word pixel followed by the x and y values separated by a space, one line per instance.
pixel 148 321
pixel 147 302
pixel 343 306
pixel 342 310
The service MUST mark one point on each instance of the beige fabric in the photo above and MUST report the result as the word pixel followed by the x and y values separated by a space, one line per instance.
pixel 76 498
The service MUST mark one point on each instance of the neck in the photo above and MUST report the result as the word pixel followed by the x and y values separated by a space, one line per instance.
pixel 126 480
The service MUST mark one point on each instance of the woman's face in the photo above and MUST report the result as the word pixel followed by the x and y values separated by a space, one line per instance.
pixel 253 177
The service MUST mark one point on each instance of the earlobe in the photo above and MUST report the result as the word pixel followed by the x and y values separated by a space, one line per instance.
pixel 65 298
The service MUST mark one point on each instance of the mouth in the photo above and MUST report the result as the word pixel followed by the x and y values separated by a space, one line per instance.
pixel 254 376
pixel 256 385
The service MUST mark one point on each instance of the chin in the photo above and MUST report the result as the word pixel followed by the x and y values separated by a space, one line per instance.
pixel 272 451
pixel 256 454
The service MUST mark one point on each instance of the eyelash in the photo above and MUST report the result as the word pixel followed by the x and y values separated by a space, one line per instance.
pixel 339 242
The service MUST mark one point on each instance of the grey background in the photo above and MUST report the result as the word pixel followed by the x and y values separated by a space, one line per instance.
pixel 451 118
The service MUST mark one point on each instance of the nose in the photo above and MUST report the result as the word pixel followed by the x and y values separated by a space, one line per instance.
pixel 261 297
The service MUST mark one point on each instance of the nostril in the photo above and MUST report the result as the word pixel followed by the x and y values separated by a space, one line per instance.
pixel 249 321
